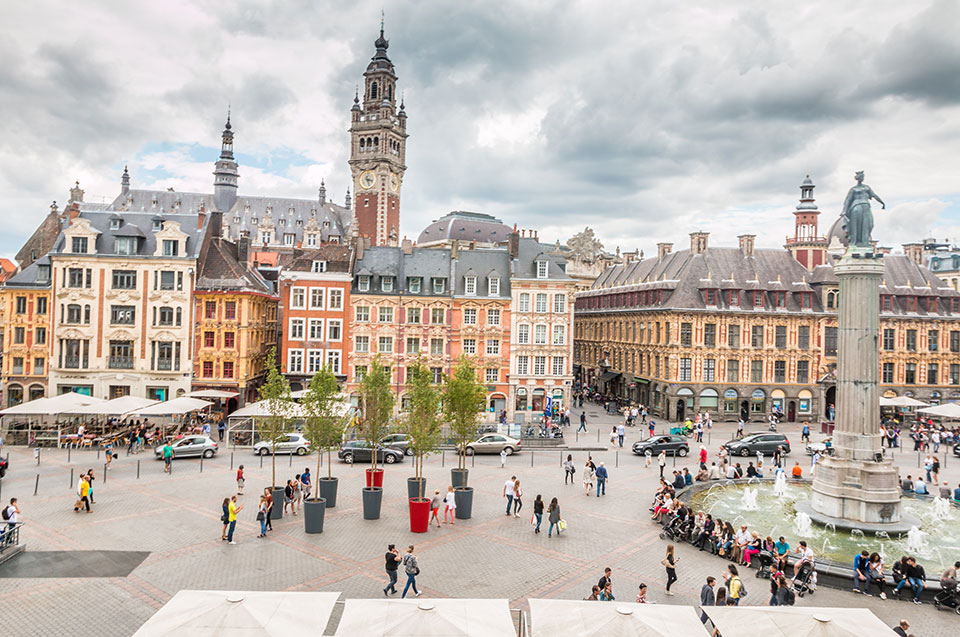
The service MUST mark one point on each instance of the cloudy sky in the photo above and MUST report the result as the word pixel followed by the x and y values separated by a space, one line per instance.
pixel 643 119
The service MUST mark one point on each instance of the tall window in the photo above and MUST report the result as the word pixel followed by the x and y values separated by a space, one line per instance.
pixel 830 341
pixel 295 361
pixel 523 365
pixel 210 309
pixel 363 314
pixel 757 335
pixel 335 300
pixel 385 344
pixel 167 280
pixel 523 302
pixel 539 334
pixel 385 315
pixel 413 315
pixel 523 334
pixel 933 340
pixel 230 310
pixel 756 371
pixel 733 336
pixel 686 332
pixel 955 373
pixel 492 375
pixel 559 334
pixel 911 340
pixel 363 283
pixel 709 370
pixel 803 337
pixel 558 366
pixel 296 328
pixel 560 303
pixel 362 344
pixel 386 284
pixel 493 317
pixel 933 374
pixel 911 375
pixel 889 339
pixel 493 288
pixel 470 316
pixel 121 355
pixel 171 248
pixel 779 371
pixel 470 346
pixel 298 298
pixel 888 373
pixel 79 245
pixel 123 280
pixel 540 304
pixel 413 345
pixel 334 330
pixel 439 285
pixel 710 335
pixel 781 336
pixel 315 327
pixel 438 316
pixel 541 269
pixel 803 371
pixel 333 360
pixel 539 365
pixel 314 360
pixel 41 336
pixel 955 341
pixel 733 371
pixel 685 369
pixel 229 340
pixel 436 346
pixel 359 371
pixel 42 305
pixel 470 286
pixel 228 369
pixel 493 347
pixel 316 298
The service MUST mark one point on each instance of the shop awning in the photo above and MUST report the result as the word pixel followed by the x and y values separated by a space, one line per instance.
pixel 795 621
pixel 606 377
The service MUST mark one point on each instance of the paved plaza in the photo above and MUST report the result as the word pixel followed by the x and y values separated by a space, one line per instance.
pixel 174 520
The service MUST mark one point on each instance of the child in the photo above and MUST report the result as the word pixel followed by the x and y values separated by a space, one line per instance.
pixel 503 458
pixel 240 480
pixel 435 507
pixel 451 506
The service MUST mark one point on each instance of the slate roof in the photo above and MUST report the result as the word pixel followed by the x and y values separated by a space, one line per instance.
pixel 133 222
pixel 466 226
pixel 482 264
pixel 530 251
pixel 42 239
pixel 29 277
pixel 220 269
pixel 337 258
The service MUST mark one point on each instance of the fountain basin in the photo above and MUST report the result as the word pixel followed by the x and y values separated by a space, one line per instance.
pixel 906 522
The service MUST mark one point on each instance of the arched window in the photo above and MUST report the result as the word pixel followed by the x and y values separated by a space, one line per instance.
pixel 362 144
pixel 179 316
pixel 86 314
pixel 373 91
pixel 389 92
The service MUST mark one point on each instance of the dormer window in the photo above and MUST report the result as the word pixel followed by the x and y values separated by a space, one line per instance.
pixel 43 273
pixel 886 303
pixel 386 284
pixel 236 219
pixel 439 285
pixel 757 298
pixel 299 222
pixel 318 266
pixel 542 269
pixel 493 286
pixel 326 224
pixel 363 283
pixel 470 286
pixel 413 285
pixel 780 299
pixel 171 248
pixel 733 297
pixel 282 221
pixel 114 224
pixel 154 201
pixel 266 237
pixel 79 245
pixel 157 225
pixel 911 302
pixel 254 220
pixel 711 297
pixel 289 239
pixel 806 300
pixel 311 239
pixel 125 245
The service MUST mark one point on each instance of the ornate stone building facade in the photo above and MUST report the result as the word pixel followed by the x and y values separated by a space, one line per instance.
pixel 26 333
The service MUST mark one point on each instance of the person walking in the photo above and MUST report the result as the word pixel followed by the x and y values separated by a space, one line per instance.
pixel 450 506
pixel 167 457
pixel 412 569
pixel 621 432
pixel 288 495
pixel 221 428
pixel 240 480
pixel 108 451
pixel 651 427
pixel 83 494
pixel 662 461
pixel 538 512
pixel 297 494
pixel 734 585
pixel 90 478
pixel 553 516
pixel 517 502
pixel 392 559
pixel 670 563
pixel 11 515
pixel 602 480
pixel 225 518
pixel 805 435
pixel 588 474
pixel 707 597
pixel 613 436
pixel 268 493
pixel 306 483
pixel 262 516
pixel 583 422
pixel 569 470
pixel 508 492
pixel 435 508
pixel 232 510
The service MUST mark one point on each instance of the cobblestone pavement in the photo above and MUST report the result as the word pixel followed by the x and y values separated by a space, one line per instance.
pixel 176 518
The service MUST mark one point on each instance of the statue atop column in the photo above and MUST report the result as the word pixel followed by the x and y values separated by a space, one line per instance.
pixel 857 218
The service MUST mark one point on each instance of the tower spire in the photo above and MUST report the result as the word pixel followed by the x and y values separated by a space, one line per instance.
pixel 125 181
pixel 225 173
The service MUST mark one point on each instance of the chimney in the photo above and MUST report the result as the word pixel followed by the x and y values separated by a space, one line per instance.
pixel 73 211
pixel 201 217
pixel 243 249
pixel 358 251
pixel 698 242
pixel 454 249
pixel 914 251
pixel 406 246
pixel 663 249
pixel 884 250
pixel 746 244
pixel 513 244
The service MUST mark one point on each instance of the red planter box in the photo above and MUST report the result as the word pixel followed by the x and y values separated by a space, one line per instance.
pixel 419 515
pixel 377 478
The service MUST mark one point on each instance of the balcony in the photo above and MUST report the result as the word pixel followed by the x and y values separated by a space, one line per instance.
pixel 120 362
pixel 165 365
pixel 71 362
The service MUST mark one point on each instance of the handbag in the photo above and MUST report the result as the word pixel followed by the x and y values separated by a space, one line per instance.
pixel 562 525
pixel 260 516
pixel 533 518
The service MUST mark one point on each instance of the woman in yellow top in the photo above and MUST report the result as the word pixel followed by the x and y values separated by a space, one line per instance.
pixel 735 585
pixel 83 491
pixel 232 510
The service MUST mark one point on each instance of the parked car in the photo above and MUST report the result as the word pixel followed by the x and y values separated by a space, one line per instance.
pixel 400 442
pixel 361 451
pixel 493 443
pixel 956 452
pixel 765 443
pixel 672 444
pixel 4 465
pixel 190 446
pixel 289 443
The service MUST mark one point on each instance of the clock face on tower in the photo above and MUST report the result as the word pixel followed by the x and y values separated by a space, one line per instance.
pixel 394 182
pixel 367 179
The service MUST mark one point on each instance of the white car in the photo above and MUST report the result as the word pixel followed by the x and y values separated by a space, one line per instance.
pixel 289 443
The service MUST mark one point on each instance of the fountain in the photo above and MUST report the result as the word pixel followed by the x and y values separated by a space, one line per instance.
pixel 803 524
pixel 780 485
pixel 749 500
pixel 916 540
pixel 941 508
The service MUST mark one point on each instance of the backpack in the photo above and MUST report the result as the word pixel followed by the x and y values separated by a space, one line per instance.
pixel 743 588
pixel 6 513
pixel 789 597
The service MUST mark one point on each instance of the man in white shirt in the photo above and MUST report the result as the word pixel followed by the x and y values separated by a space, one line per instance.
pixel 806 555
pixel 742 539
pixel 731 472
pixel 621 432
pixel 508 492
pixel 11 515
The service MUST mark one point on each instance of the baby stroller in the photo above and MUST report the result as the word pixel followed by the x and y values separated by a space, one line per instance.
pixel 947 598
pixel 765 559
pixel 672 529
pixel 806 579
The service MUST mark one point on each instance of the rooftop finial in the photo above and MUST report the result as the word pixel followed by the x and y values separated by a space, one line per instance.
pixel 382 15
pixel 382 42
pixel 228 116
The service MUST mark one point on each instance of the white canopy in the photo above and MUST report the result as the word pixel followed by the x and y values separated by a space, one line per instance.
pixel 175 407
pixel 795 621
pixel 901 401
pixel 550 617
pixel 259 410
pixel 426 618
pixel 241 613
pixel 212 393
pixel 948 410
pixel 116 407
pixel 52 406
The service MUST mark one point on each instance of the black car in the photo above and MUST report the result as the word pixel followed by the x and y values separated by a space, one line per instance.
pixel 673 445
pixel 956 451
pixel 765 443
pixel 360 451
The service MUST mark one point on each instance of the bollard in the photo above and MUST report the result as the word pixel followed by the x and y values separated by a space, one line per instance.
pixel 261 460
pixel 598 434
pixel 291 458
pixel 473 460
pixel 138 469
pixel 443 457
pixel 36 452
pixel 68 453
pixel 98 453
pixel 531 458
pixel 71 477
pixel 36 485
pixel 674 459
pixel 918 460
pixel 104 472
pixel 618 458
pixel 578 436
pixel 231 460
pixel 708 437
pixel 201 463
pixel 561 458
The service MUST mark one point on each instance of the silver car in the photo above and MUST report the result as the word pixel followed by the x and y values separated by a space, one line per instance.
pixel 190 446
pixel 493 443
pixel 289 443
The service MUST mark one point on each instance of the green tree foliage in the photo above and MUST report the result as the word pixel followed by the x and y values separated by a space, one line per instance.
pixel 276 392
pixel 376 400
pixel 325 416
pixel 422 421
pixel 463 400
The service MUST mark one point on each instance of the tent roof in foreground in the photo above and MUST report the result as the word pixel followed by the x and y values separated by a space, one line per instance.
pixel 427 617
pixel 549 617
pixel 231 613
pixel 947 410
pixel 795 621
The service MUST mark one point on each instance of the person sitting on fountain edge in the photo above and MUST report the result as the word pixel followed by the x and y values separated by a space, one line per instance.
pixel 782 551
pixel 797 471
pixel 914 575
pixel 860 580
pixel 806 555
pixel 907 485
pixel 920 487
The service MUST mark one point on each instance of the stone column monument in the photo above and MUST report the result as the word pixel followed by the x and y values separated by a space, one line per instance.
pixel 857 487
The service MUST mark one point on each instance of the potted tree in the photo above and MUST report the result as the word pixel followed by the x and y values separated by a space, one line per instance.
pixel 463 400
pixel 323 427
pixel 275 391
pixel 423 427
pixel 376 400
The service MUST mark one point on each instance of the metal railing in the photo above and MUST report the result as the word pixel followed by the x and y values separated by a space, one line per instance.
pixel 164 365
pixel 121 362
pixel 9 535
